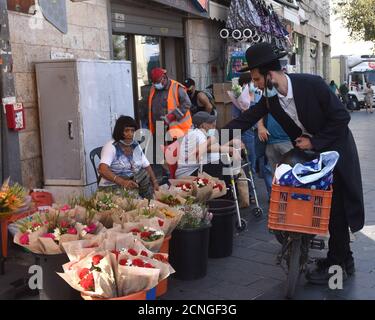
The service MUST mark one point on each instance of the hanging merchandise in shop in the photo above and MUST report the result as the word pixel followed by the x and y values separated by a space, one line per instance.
pixel 237 63
pixel 254 21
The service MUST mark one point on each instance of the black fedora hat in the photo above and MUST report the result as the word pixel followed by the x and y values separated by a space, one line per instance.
pixel 261 54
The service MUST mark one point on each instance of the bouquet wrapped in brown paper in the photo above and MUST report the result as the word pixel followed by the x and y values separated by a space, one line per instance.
pixel 219 186
pixel 90 231
pixel 202 189
pixel 152 238
pixel 92 276
pixel 168 218
pixel 183 186
pixel 44 232
pixel 124 267
pixel 77 250
pixel 169 198
pixel 134 274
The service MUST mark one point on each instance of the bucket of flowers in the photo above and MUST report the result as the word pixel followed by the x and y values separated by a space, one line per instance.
pixel 191 233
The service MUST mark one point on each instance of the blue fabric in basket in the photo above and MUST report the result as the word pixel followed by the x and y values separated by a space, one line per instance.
pixel 316 174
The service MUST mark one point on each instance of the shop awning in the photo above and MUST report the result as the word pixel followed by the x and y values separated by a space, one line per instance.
pixel 194 7
pixel 218 12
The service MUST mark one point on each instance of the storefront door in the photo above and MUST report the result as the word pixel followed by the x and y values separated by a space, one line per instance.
pixel 146 53
pixel 149 37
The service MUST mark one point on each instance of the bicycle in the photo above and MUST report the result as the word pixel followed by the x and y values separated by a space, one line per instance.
pixel 296 216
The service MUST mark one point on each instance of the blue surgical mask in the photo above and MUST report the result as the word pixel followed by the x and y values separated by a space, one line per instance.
pixel 252 88
pixel 270 92
pixel 211 132
pixel 159 86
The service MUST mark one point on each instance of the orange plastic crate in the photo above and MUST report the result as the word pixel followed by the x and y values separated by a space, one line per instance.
pixel 299 210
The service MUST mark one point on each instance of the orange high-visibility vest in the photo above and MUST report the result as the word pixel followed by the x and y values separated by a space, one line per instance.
pixel 179 128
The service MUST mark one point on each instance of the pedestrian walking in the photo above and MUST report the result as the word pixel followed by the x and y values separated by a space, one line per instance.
pixel 334 88
pixel 369 97
pixel 344 90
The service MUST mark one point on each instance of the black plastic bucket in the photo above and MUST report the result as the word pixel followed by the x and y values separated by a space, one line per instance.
pixel 54 287
pixel 188 252
pixel 221 234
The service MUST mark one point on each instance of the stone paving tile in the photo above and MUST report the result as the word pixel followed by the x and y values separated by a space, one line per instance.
pixel 231 291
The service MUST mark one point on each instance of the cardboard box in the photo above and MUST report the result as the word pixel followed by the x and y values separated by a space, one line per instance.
pixel 220 92
pixel 224 114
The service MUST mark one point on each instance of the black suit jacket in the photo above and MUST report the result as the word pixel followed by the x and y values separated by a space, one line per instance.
pixel 324 116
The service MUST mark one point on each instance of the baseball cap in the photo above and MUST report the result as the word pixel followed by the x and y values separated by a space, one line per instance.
pixel 203 117
pixel 157 73
pixel 189 82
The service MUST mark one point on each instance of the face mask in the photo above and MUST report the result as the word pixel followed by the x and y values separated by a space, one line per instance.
pixel 211 132
pixel 252 87
pixel 270 92
pixel 133 143
pixel 159 86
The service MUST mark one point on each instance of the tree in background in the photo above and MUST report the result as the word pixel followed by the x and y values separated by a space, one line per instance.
pixel 358 16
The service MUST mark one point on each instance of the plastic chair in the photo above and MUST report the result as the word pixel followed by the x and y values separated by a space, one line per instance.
pixel 95 153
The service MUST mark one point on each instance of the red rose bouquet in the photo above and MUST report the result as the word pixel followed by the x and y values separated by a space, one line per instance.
pixel 93 275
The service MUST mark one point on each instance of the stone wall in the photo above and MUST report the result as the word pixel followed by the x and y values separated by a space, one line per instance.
pixel 32 40
pixel 205 52
pixel 317 30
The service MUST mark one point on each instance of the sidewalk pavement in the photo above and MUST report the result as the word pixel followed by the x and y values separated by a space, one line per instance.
pixel 251 272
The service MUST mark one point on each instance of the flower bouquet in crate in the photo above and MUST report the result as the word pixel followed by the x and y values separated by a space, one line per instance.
pixel 77 250
pixel 169 198
pixel 92 276
pixel 166 217
pixel 219 186
pixel 183 186
pixel 133 268
pixel 150 237
pixel 202 189
pixel 44 232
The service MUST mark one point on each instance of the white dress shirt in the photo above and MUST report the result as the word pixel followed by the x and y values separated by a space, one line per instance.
pixel 288 104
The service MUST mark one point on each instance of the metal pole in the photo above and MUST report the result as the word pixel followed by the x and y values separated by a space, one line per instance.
pixel 10 149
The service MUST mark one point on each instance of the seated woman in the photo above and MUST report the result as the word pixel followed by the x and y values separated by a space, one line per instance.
pixel 200 147
pixel 123 163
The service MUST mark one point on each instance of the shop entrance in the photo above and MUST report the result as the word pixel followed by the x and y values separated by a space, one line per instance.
pixel 146 53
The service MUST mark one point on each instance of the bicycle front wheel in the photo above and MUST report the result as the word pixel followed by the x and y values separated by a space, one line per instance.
pixel 294 267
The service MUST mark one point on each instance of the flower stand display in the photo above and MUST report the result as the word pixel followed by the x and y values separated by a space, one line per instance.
pixel 189 252
pixel 54 287
pixel 221 233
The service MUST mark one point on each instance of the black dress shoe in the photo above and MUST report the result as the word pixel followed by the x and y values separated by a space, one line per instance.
pixel 324 263
pixel 321 276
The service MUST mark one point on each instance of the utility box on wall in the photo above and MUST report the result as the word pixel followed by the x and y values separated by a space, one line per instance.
pixel 79 103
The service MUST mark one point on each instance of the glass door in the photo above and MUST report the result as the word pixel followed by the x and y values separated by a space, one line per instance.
pixel 148 56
